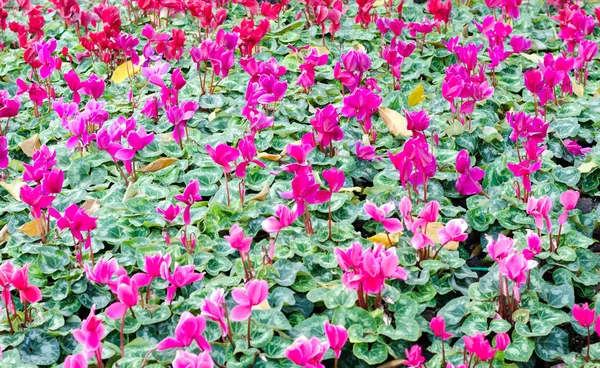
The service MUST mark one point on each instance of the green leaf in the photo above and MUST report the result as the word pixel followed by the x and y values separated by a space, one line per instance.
pixel 271 318
pixel 561 295
pixel 373 354
pixel 520 348
pixel 552 346
pixel 340 296
pixel 39 348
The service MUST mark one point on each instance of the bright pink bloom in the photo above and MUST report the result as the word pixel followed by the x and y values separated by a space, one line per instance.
pixel 76 361
pixel 305 191
pixel 170 213
pixel 515 266
pixel 597 325
pixel 214 308
pixel 283 218
pixel 155 73
pixel 181 276
pixel 3 153
pixel 334 178
pixel 8 107
pixel 417 121
pixel 569 200
pixel 189 328
pixel 469 177
pixel 413 357
pixel 27 292
pixel 454 230
pixel 366 153
pixel 237 240
pixel 438 326
pixel 534 245
pixel 440 10
pixel 524 169
pixel 223 155
pixel 35 198
pixel 248 152
pixel 337 336
pixel 183 359
pixel 152 266
pixel 190 195
pixel 103 273
pixel 91 333
pixel 501 248
pixel 379 214
pixel 253 293
pixel 584 315
pixel 327 125
pixel 534 81
pixel 44 51
pixel 307 353
pixel 519 44
pixel 53 181
pixel 139 139
pixel 502 341
pixel 6 272
pixel 128 296
pixel 77 221
pixel 479 346
pixel 575 149
pixel 93 86
pixel 362 104
pixel 540 210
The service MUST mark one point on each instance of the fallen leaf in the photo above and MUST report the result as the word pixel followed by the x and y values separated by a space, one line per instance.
pixel 533 57
pixel 395 122
pixel 159 164
pixel 213 115
pixel 586 167
pixel 578 89
pixel 30 145
pixel 322 50
pixel 263 306
pixel 4 237
pixel 262 195
pixel 13 188
pixel 382 238
pixel 269 156
pixel 476 251
pixel 130 192
pixel 125 70
pixel 353 189
pixel 417 95
pixel 431 232
pixel 359 47
pixel 31 228
pixel 166 137
pixel 91 206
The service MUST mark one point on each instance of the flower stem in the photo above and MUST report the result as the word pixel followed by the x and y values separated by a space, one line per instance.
pixel 249 319
pixel 122 337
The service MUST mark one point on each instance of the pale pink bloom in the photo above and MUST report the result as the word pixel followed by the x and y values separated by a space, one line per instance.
pixel 379 214
pixel 253 293
pixel 189 329
pixel 454 230
pixel 307 353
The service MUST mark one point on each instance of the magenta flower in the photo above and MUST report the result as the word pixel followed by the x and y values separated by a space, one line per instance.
pixel 222 155
pixel 515 267
pixel 327 125
pixel 366 153
pixel 248 151
pixel 36 199
pixel 502 341
pixel 575 149
pixel 438 326
pixel 104 273
pixel 20 281
pixel 178 116
pixel 569 200
pixel 189 329
pixel 90 334
pixel 8 107
pixel 379 214
pixel 139 139
pixel 413 357
pixel 524 169
pixel 305 191
pixel 307 353
pixel 76 361
pixel 76 220
pixel 44 51
pixel 237 240
pixel 181 276
pixel 128 296
pixel 479 346
pixel 540 210
pixel 93 86
pixel 417 121
pixel 170 213
pixel 190 195
pixel 454 230
pixel 213 308
pixel 469 177
pixel 283 218
pixel 152 266
pixel 155 73
pixel 534 245
pixel 52 182
pixel 501 248
pixel 362 104
pixel 253 293
pixel 584 315
pixel 183 359
pixel 337 336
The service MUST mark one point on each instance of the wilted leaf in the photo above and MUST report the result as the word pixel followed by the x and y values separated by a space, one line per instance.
pixel 586 167
pixel 91 206
pixel 382 238
pixel 159 164
pixel 353 189
pixel 124 71
pixel 395 122
pixel 32 228
pixel 130 192
pixel 263 306
pixel 578 89
pixel 269 156
pixel 213 115
pixel 29 145
pixel 321 50
pixel 262 195
pixel 4 237
pixel 432 229
pixel 417 95
pixel 13 188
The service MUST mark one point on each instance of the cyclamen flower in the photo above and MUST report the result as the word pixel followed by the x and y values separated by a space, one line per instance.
pixel 283 218
pixel 180 277
pixel 213 308
pixel 366 153
pixel 20 281
pixel 190 195
pixel 362 104
pixel 413 357
pixel 76 361
pixel 569 200
pixel 438 326
pixel 127 295
pixel 479 346
pixel 189 329
pixel 540 210
pixel 469 177
pixel 253 293
pixel 454 230
pixel 584 315
pixel 501 248
pixel 237 240
pixel 90 334
pixel 327 125
pixel 575 149
pixel 183 359
pixel 307 353
pixel 337 336
pixel 379 214
pixel 515 267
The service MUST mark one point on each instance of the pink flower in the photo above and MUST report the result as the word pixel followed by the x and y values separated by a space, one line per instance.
pixel 337 336
pixel 20 281
pixel 53 181
pixel 128 296
pixel 479 346
pixel 139 139
pixel 540 210
pixel 103 273
pixel 597 326
pixel 366 153
pixel 584 315
pixel 248 151
pixel 515 267
pixel 190 195
pixel 334 178
pixel 170 213
pixel 237 240
pixel 519 44
pixel 183 359
pixel 283 218
pixel 189 328
pixel 76 361
pixel 534 81
pixel 417 121
pixel 502 341
pixel 93 86
pixel 413 357
pixel 35 198
pixel 305 191
pixel 91 333
pixel 3 153
pixel 379 214
pixel 362 104
pixel 569 200
pixel 525 169
pixel 327 125
pixel 454 230
pixel 223 155
pixel 253 293
pixel 44 52
pixel 307 353
pixel 575 149
pixel 468 179
pixel 152 266
pixel 213 308
pixel 438 325
pixel 501 248
pixel 534 245
pixel 181 276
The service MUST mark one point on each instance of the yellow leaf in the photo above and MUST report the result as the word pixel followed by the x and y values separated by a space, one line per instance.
pixel 213 115
pixel 349 190
pixel 91 206
pixel 13 188
pixel 4 237
pixel 262 195
pixel 586 167
pixel 378 4
pixel 382 238
pixel 125 70
pixel 130 192
pixel 159 164
pixel 533 57
pixel 263 306
pixel 29 145
pixel 321 50
pixel 359 47
pixel 432 229
pixel 269 156
pixel 395 122
pixel 32 228
pixel 417 95
pixel 578 89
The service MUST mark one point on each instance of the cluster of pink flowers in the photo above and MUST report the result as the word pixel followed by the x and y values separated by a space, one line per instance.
pixel 308 353
pixel 219 53
pixel 12 278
